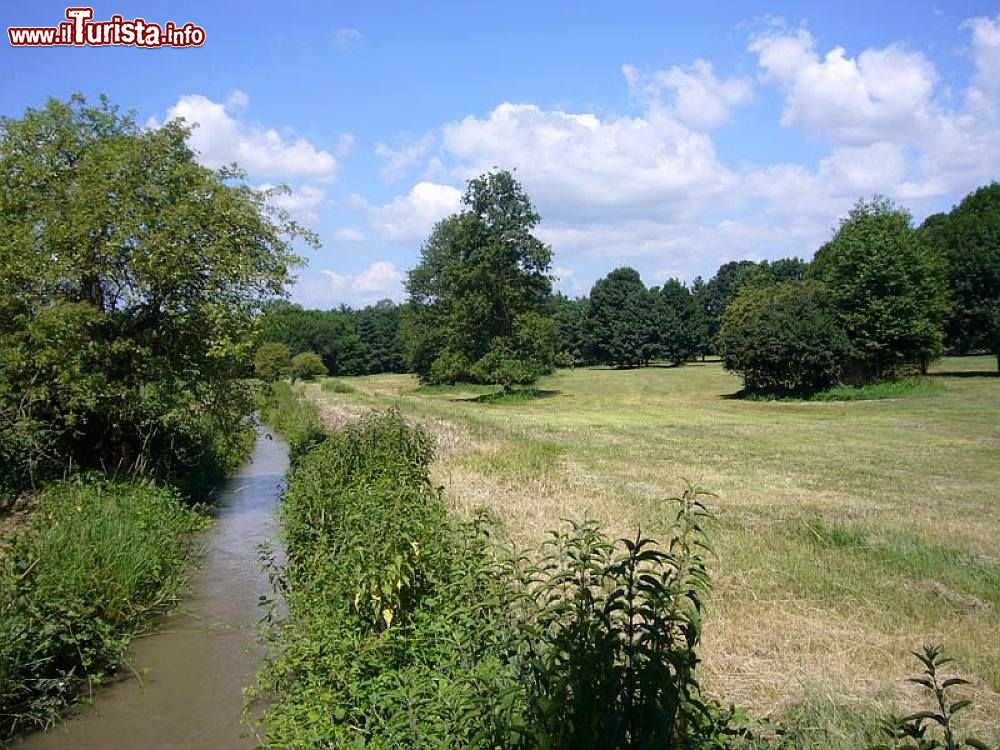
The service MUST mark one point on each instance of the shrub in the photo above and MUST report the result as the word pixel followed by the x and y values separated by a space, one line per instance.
pixel 783 339
pixel 89 568
pixel 308 366
pixel 273 361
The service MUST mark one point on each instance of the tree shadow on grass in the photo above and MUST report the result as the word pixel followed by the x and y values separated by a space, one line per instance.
pixel 520 396
pixel 964 374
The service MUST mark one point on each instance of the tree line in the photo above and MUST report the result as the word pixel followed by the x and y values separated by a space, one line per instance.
pixel 880 300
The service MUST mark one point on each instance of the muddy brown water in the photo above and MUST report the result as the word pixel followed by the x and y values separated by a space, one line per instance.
pixel 202 657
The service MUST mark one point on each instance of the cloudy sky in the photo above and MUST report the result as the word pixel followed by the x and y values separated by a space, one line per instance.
pixel 667 136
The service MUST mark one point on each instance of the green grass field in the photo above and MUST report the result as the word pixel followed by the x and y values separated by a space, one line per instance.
pixel 849 532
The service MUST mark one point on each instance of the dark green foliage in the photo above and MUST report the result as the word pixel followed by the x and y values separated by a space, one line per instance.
pixel 934 729
pixel 308 366
pixel 715 294
pixel 480 291
pixel 379 329
pixel 272 362
pixel 783 339
pixel 888 288
pixel 968 240
pixel 130 279
pixel 332 334
pixel 681 326
pixel 89 568
pixel 608 634
pixel 570 336
pixel 620 322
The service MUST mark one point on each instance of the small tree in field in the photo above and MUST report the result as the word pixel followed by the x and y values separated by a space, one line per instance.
pixel 783 339
pixel 273 361
pixel 308 366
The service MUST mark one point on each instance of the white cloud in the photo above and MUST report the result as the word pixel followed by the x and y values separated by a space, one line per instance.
pixel 886 100
pixel 349 234
pixel 695 95
pixel 221 138
pixel 879 94
pixel 410 217
pixel 397 161
pixel 344 38
pixel 238 99
pixel 303 203
pixel 582 166
pixel 378 281
pixel 984 93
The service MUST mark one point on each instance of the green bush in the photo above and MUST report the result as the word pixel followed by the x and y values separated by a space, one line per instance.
pixel 273 361
pixel 89 568
pixel 783 339
pixel 308 366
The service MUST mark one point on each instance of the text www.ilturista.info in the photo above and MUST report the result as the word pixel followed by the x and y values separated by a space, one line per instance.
pixel 78 30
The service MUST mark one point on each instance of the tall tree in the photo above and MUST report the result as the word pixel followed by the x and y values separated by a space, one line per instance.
pixel 378 326
pixel 968 239
pixel 715 294
pixel 680 322
pixel 478 298
pixel 131 278
pixel 621 320
pixel 889 289
pixel 569 315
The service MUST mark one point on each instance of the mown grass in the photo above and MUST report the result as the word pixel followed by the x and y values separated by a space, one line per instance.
pixel 852 531
pixel 90 568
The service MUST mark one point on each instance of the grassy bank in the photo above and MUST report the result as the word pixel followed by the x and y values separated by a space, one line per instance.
pixel 851 532
pixel 89 568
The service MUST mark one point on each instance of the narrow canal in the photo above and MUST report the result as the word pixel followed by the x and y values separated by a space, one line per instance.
pixel 203 656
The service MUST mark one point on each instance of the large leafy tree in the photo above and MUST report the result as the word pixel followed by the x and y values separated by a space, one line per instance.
pixel 478 298
pixel 968 240
pixel 889 289
pixel 621 320
pixel 130 280
pixel 681 326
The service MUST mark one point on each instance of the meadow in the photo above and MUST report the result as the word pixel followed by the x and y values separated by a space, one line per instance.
pixel 849 532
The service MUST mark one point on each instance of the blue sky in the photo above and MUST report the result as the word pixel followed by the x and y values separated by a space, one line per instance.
pixel 667 136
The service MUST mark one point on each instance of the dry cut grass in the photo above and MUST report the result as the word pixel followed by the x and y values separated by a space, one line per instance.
pixel 849 532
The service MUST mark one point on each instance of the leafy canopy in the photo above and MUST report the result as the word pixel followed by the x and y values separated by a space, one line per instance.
pixel 888 288
pixel 620 320
pixel 477 307
pixel 130 280
pixel 784 338
pixel 967 240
